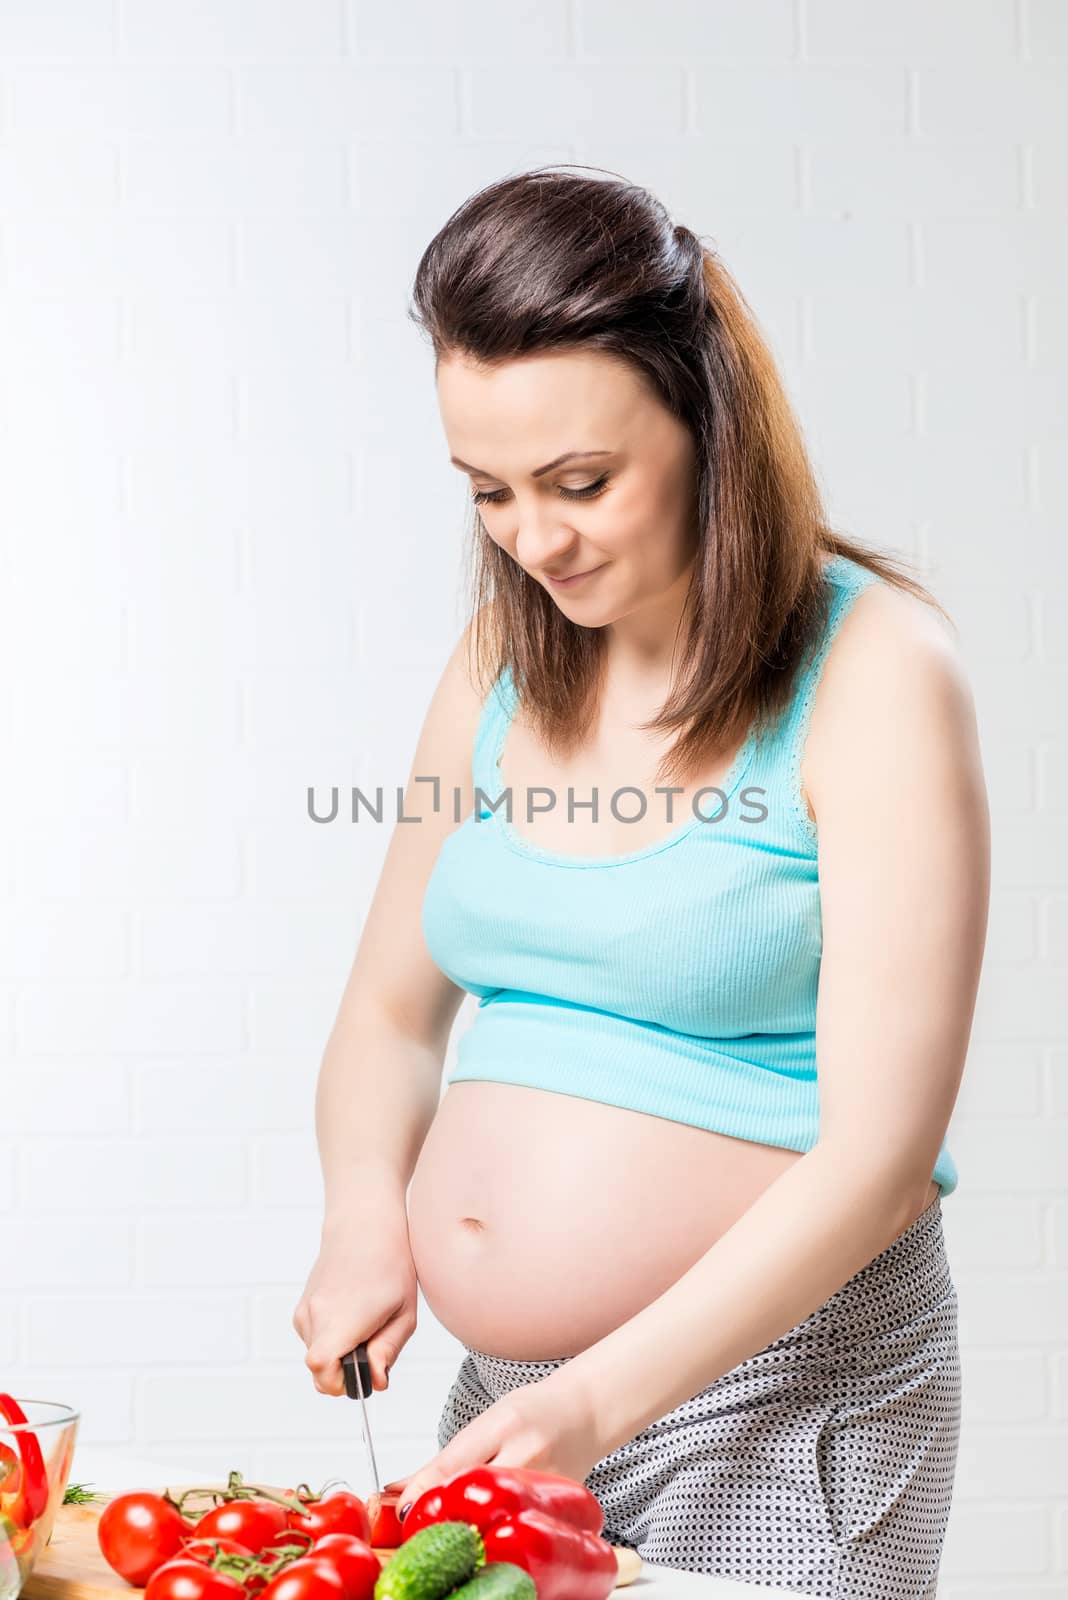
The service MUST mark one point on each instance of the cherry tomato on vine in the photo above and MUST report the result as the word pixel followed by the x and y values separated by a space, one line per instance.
pixel 309 1578
pixel 354 1562
pixel 290 1536
pixel 138 1532
pixel 204 1549
pixel 251 1522
pixel 186 1579
pixel 288 1540
pixel 340 1512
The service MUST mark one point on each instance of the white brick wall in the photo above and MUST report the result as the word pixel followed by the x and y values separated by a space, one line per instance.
pixel 223 482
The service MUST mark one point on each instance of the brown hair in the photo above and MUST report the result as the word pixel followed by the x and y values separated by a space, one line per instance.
pixel 553 261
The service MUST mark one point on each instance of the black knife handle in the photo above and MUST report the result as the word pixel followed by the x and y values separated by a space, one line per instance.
pixel 348 1367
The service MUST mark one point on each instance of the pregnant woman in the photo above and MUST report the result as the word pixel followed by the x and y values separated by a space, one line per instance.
pixel 702 825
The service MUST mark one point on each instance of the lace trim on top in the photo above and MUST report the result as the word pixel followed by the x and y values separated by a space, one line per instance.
pixel 846 581
pixel 846 587
pixel 496 713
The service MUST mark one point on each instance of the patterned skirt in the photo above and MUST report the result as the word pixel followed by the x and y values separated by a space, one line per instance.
pixel 824 1464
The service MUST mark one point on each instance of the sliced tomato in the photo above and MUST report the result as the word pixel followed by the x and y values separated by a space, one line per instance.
pixel 386 1532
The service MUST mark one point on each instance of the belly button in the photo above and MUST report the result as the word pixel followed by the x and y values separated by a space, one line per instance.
pixel 473 1222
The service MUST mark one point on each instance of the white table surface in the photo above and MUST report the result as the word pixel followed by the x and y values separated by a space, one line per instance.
pixel 114 1470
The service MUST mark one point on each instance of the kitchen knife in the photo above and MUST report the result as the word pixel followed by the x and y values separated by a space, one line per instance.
pixel 357 1370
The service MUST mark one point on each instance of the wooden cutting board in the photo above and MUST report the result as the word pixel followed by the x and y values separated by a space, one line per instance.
pixel 71 1567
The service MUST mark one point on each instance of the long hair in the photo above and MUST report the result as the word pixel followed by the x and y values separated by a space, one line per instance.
pixel 551 261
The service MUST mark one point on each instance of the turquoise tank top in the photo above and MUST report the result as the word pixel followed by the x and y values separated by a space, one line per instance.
pixel 678 979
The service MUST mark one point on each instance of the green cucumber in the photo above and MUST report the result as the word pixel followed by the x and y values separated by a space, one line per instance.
pixel 498 1580
pixel 432 1562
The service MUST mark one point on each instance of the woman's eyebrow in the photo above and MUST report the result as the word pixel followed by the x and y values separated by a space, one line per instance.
pixel 569 455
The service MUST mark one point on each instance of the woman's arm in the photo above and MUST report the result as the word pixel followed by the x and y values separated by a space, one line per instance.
pixel 380 1078
pixel 898 789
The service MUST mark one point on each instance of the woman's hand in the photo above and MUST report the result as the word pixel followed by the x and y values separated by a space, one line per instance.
pixel 549 1425
pixel 362 1287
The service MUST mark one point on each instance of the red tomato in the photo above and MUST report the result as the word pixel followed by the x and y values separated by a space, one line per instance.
pixel 251 1522
pixel 310 1578
pixel 138 1532
pixel 204 1549
pixel 354 1562
pixel 183 1579
pixel 297 1544
pixel 295 1538
pixel 386 1532
pixel 340 1512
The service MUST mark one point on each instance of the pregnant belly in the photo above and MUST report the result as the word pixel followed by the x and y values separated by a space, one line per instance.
pixel 540 1221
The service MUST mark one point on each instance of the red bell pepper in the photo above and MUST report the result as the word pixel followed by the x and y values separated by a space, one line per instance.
pixel 484 1494
pixel 30 1498
pixel 566 1563
pixel 9 1469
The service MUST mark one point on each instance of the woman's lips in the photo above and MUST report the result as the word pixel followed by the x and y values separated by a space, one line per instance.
pixel 576 577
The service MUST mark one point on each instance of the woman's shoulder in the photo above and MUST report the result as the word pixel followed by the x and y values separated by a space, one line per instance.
pixel 894 728
pixel 894 661
pixel 887 629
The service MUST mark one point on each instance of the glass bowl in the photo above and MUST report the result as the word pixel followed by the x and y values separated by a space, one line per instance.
pixel 35 1458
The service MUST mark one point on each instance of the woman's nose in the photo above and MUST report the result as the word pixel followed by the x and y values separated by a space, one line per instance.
pixel 541 542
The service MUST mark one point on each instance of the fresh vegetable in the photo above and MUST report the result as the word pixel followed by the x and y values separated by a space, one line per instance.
pixel 498 1580
pixel 483 1494
pixel 253 1523
pixel 432 1562
pixel 17 1548
pixel 340 1512
pixel 11 1578
pixel 306 1579
pixel 249 1536
pixel 386 1528
pixel 566 1563
pixel 80 1494
pixel 183 1578
pixel 256 1543
pixel 25 1503
pixel 277 1554
pixel 9 1469
pixel 354 1561
pixel 208 1549
pixel 138 1532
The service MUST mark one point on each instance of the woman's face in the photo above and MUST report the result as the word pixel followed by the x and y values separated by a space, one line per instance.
pixel 622 511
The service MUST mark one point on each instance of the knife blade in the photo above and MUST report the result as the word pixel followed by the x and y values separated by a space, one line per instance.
pixel 357 1371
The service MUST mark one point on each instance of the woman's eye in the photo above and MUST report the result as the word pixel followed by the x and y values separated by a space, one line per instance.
pixel 493 497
